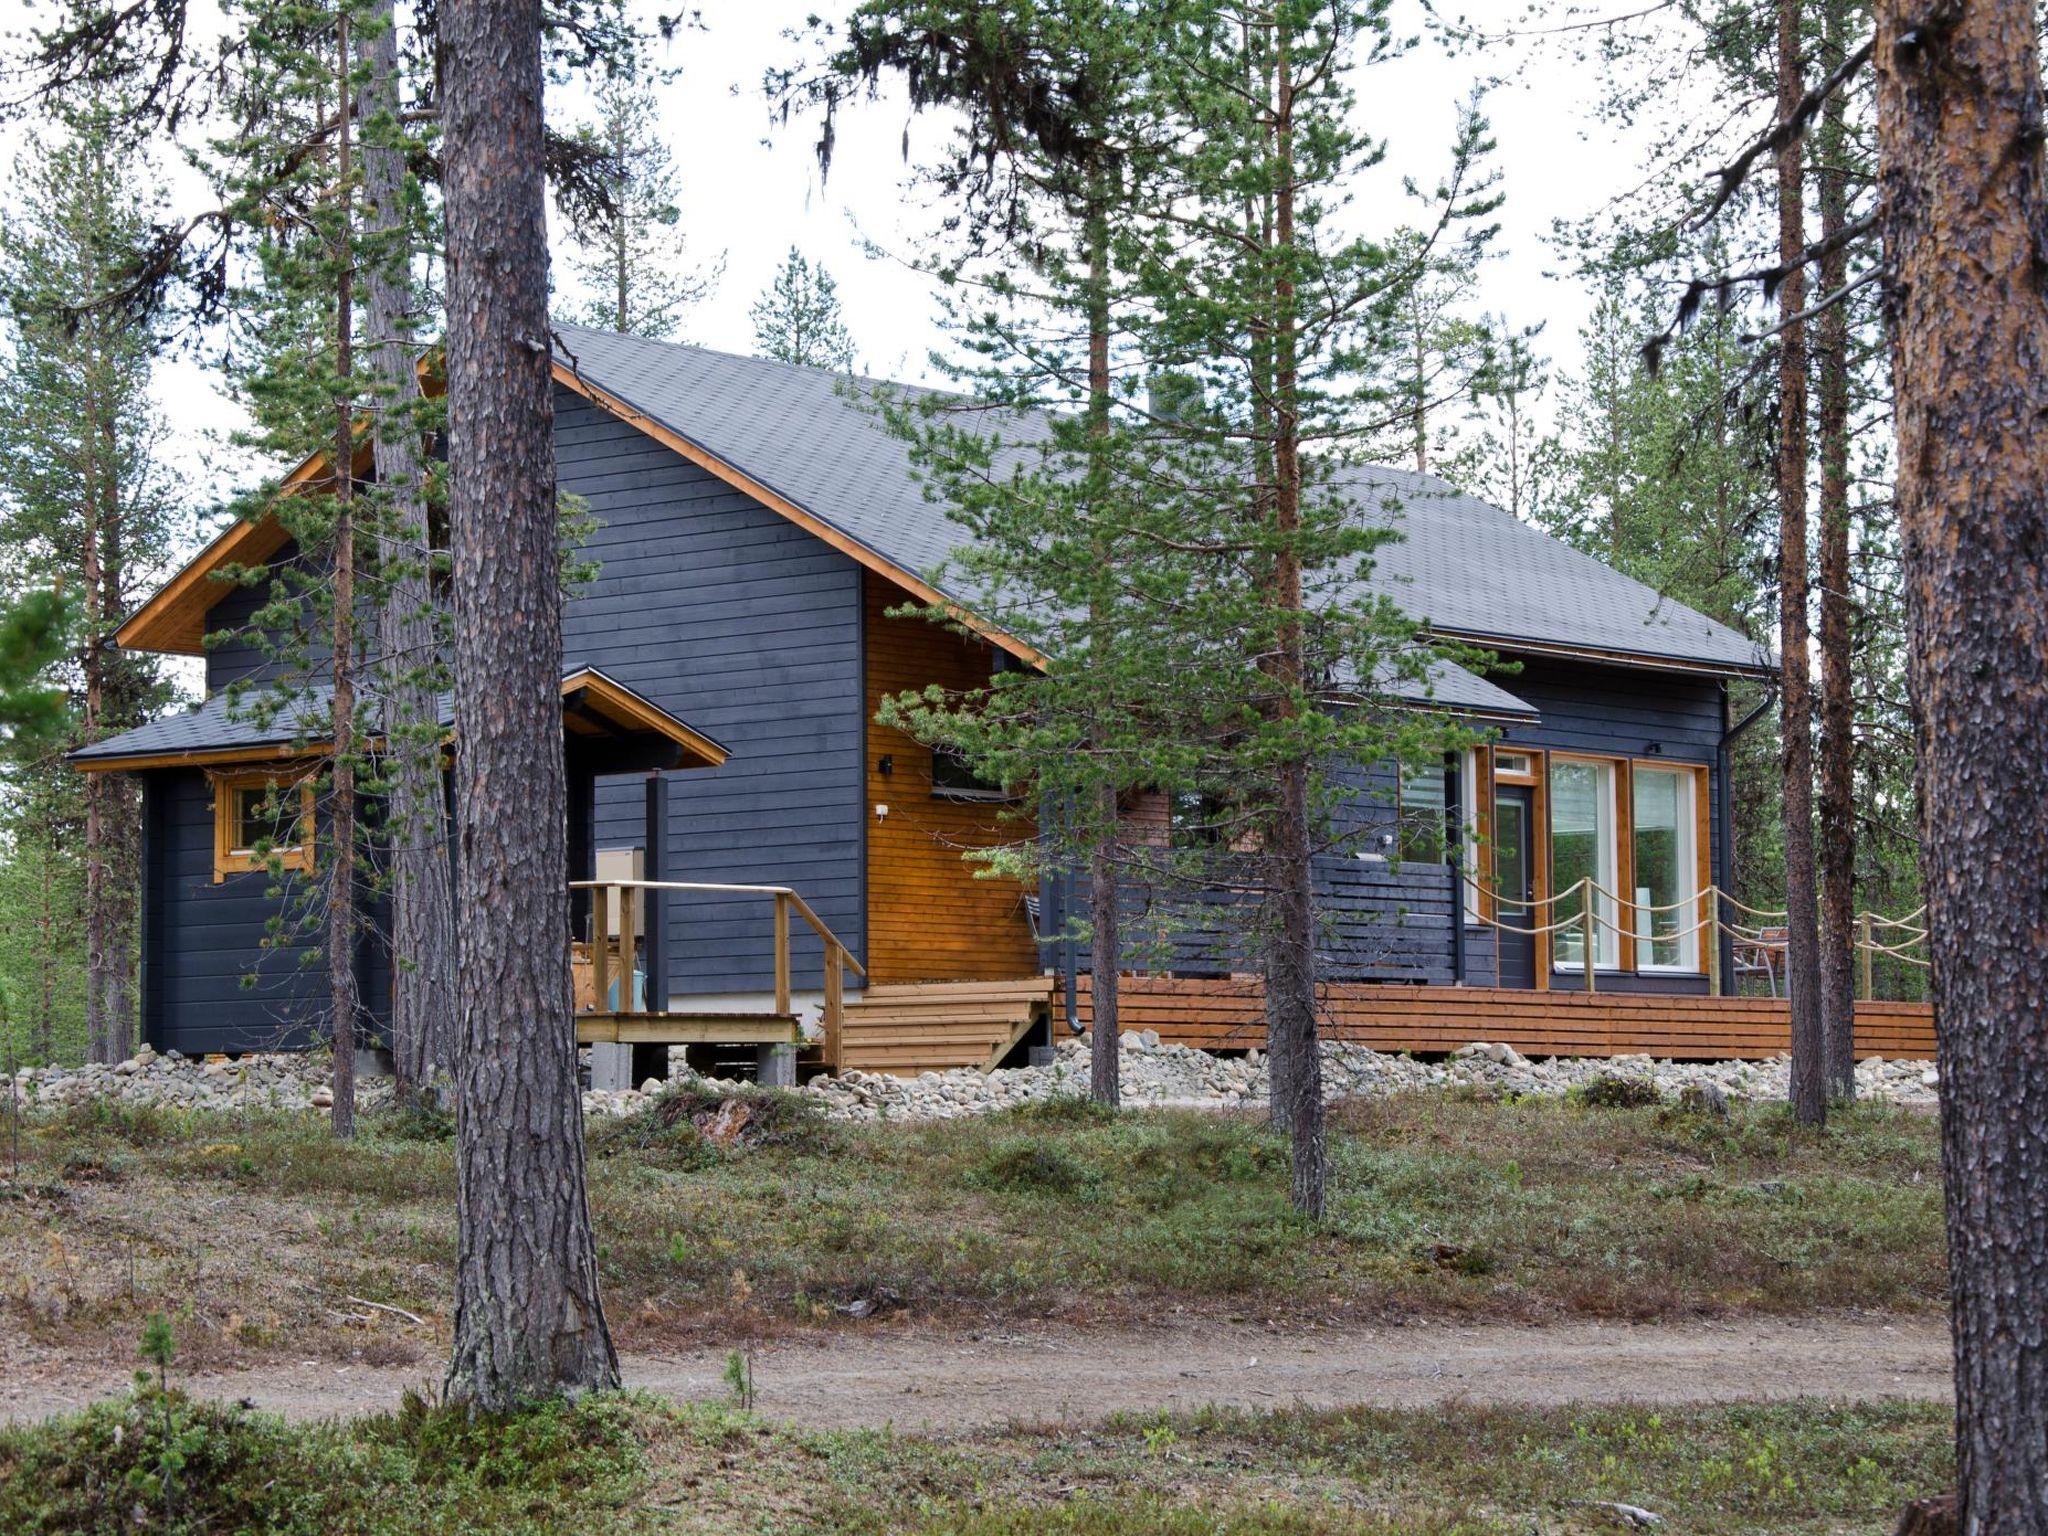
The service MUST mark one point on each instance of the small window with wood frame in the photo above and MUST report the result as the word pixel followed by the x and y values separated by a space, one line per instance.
pixel 262 820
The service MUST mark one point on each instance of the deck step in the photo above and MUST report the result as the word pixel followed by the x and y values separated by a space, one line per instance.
pixel 907 1028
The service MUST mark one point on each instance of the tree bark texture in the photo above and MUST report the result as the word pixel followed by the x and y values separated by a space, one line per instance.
pixel 423 933
pixel 113 810
pixel 529 1321
pixel 1105 1053
pixel 1795 711
pixel 1965 224
pixel 1105 915
pixel 343 998
pixel 1837 700
pixel 1296 1071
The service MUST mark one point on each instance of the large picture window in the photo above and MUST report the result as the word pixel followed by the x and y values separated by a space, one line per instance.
pixel 1666 869
pixel 1582 847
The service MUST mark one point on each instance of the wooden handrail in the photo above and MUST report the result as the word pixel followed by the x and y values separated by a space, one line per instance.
pixel 802 907
pixel 837 956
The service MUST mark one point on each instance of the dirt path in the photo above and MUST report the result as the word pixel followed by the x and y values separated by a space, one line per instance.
pixel 959 1381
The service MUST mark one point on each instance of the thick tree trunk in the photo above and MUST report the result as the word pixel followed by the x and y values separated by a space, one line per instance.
pixel 343 998
pixel 1795 714
pixel 1296 1071
pixel 529 1321
pixel 1965 224
pixel 1837 708
pixel 423 934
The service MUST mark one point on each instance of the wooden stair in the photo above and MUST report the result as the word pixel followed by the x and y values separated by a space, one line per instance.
pixel 934 1026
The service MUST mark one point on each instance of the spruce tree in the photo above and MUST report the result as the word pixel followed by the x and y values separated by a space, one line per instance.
pixel 627 249
pixel 797 318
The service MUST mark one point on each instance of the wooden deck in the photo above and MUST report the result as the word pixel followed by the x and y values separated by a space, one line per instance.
pixel 1227 1013
pixel 709 1028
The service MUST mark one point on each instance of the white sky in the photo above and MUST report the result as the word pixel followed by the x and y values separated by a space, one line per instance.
pixel 754 191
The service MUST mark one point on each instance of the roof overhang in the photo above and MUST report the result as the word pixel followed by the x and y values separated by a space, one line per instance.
pixel 1516 644
pixel 597 711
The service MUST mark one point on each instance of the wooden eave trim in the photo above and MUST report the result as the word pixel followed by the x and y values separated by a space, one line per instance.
pixel 642 714
pixel 776 502
pixel 168 623
pixel 1512 644
pixel 205 757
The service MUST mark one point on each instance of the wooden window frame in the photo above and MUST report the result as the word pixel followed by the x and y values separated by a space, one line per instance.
pixel 229 860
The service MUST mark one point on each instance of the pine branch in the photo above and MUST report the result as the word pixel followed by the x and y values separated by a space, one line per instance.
pixel 1732 175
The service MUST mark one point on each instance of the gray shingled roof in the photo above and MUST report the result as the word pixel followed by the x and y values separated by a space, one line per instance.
pixel 218 725
pixel 222 724
pixel 1461 565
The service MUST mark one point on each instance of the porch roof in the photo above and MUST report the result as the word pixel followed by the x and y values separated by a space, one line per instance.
pixel 598 712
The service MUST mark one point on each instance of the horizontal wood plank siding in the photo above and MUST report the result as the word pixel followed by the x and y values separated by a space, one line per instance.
pixel 1228 1014
pixel 930 916
pixel 748 629
pixel 210 982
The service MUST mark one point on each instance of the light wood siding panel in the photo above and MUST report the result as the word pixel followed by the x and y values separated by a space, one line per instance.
pixel 930 916
pixel 1228 1013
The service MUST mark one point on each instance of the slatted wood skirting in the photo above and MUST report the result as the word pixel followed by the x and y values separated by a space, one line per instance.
pixel 1228 1013
pixel 904 1030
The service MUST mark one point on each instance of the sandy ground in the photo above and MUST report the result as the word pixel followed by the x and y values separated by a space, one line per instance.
pixel 920 1379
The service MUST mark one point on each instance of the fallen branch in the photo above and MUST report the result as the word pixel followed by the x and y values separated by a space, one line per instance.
pixel 379 1306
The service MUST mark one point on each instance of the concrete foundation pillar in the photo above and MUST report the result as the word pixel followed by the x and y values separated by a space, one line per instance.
pixel 611 1067
pixel 778 1066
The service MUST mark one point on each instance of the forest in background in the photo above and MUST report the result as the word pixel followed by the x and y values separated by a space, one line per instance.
pixel 1663 462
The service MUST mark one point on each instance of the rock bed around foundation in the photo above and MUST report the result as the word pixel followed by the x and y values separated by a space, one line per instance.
pixel 1154 1074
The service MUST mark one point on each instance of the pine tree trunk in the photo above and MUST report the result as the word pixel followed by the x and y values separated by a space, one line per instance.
pixel 1296 1071
pixel 1837 709
pixel 529 1321
pixel 343 998
pixel 1965 221
pixel 109 1029
pixel 423 934
pixel 1105 1061
pixel 1795 714
pixel 1105 915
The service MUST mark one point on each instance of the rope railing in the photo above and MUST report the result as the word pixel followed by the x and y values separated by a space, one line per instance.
pixel 1593 916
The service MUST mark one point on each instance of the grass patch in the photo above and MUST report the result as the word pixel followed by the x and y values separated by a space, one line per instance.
pixel 1519 1209
pixel 629 1465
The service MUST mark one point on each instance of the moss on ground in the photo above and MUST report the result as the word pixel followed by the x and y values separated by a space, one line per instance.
pixel 248 1226
pixel 156 1462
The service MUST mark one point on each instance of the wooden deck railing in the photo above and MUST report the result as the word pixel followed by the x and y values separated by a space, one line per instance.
pixel 607 896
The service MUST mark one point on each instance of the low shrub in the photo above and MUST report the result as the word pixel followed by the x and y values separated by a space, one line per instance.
pixel 1610 1092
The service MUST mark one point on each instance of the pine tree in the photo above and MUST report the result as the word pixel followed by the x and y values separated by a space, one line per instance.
pixel 410 671
pixel 529 1318
pixel 87 508
pixel 627 248
pixel 797 319
pixel 1286 325
pixel 1959 114
pixel 1050 146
